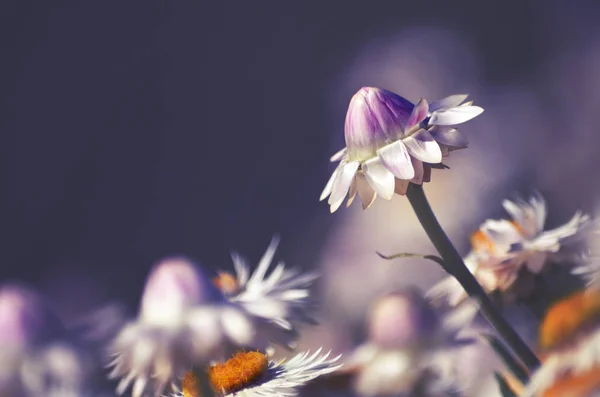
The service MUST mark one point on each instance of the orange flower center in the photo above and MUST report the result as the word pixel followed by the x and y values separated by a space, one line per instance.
pixel 580 385
pixel 236 373
pixel 568 317
pixel 481 242
pixel 226 282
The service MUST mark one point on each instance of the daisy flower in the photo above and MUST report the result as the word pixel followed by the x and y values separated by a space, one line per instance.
pixel 506 252
pixel 570 338
pixel 410 347
pixel 185 320
pixel 252 374
pixel 39 358
pixel 391 142
pixel 282 298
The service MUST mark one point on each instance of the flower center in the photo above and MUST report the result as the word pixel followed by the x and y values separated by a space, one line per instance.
pixel 241 370
pixel 227 283
pixel 569 317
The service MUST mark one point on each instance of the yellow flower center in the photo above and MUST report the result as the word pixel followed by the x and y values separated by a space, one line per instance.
pixel 580 385
pixel 226 282
pixel 567 318
pixel 236 373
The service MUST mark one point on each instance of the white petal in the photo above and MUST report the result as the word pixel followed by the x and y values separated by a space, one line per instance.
pixel 366 194
pixel 449 136
pixel 422 146
pixel 327 190
pixel 342 183
pixel 448 102
pixel 263 265
pixel 455 115
pixel 418 114
pixel 237 326
pixel 380 179
pixel 351 193
pixel 339 155
pixel 396 159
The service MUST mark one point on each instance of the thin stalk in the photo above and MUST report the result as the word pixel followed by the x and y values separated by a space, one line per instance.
pixel 456 266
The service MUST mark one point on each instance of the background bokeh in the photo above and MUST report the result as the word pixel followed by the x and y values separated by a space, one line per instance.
pixel 136 130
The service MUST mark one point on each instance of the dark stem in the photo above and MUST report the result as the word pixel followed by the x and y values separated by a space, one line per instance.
pixel 456 266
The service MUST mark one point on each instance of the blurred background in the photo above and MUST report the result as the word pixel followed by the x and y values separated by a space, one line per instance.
pixel 136 130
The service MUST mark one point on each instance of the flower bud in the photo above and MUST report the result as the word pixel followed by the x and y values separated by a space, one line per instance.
pixel 377 117
pixel 402 319
pixel 173 286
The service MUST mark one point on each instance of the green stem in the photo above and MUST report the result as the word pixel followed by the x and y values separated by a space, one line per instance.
pixel 456 266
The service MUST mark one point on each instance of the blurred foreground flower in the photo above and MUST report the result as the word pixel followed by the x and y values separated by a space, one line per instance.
pixel 411 348
pixel 252 374
pixel 38 356
pixel 506 253
pixel 570 337
pixel 282 298
pixel 186 321
pixel 391 142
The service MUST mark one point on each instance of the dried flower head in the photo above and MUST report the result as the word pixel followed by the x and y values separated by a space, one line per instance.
pixel 504 252
pixel 249 375
pixel 570 336
pixel 410 346
pixel 185 320
pixel 390 142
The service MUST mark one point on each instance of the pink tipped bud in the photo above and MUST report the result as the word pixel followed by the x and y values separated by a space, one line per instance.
pixel 174 285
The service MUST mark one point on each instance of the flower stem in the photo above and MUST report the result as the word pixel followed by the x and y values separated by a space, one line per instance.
pixel 456 266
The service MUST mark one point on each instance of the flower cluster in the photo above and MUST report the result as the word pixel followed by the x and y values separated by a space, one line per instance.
pixel 188 319
pixel 201 334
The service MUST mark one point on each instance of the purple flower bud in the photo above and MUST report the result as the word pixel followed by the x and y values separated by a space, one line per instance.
pixel 377 117
pixel 402 319
pixel 24 318
pixel 173 286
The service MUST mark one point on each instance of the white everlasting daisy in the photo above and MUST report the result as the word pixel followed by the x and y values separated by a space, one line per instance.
pixel 570 337
pixel 282 298
pixel 186 320
pixel 410 347
pixel 251 374
pixel 391 142
pixel 504 251
pixel 38 356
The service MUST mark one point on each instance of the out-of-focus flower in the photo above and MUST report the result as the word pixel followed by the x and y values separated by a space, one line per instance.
pixel 570 338
pixel 252 374
pixel 282 297
pixel 186 320
pixel 391 142
pixel 505 253
pixel 410 347
pixel 38 356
